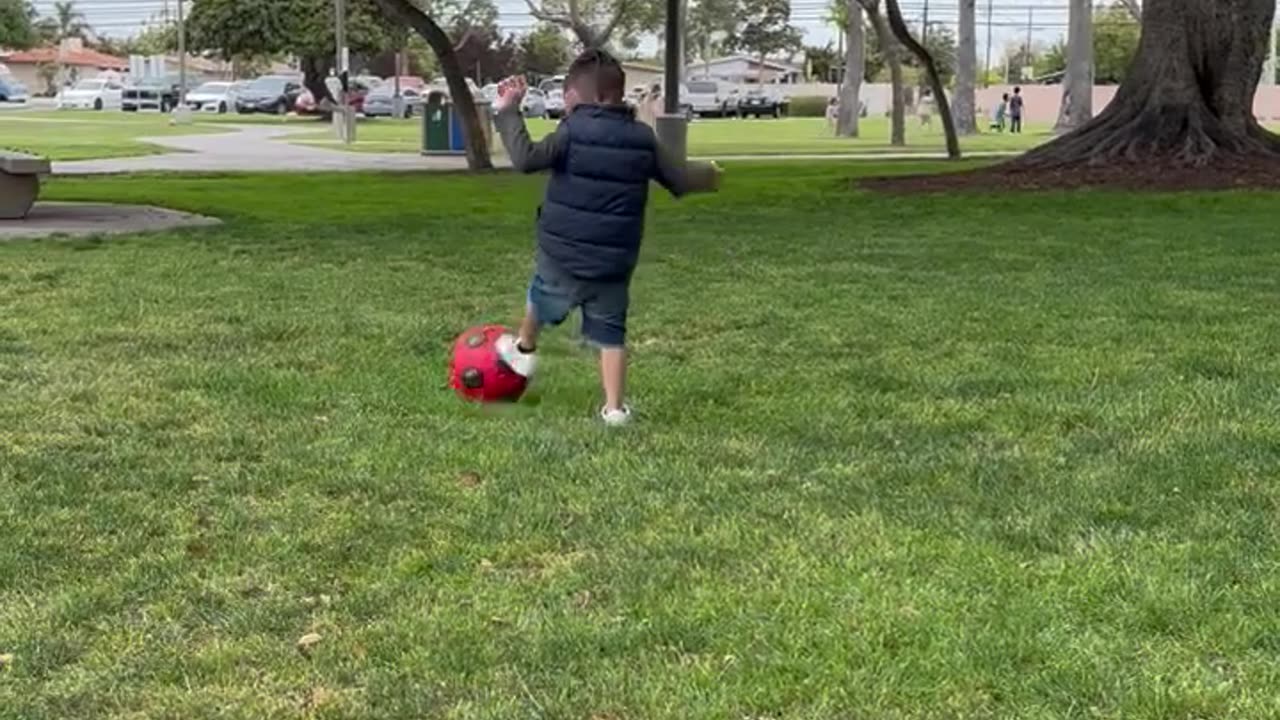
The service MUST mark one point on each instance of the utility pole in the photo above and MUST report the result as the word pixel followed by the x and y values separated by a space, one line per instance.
pixel 924 26
pixel 182 113
pixel 986 73
pixel 344 120
pixel 1030 19
pixel 1269 67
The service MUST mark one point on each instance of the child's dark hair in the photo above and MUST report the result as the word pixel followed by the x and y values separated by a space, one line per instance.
pixel 597 77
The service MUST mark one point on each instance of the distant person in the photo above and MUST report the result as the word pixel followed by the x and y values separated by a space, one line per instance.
pixel 925 109
pixel 833 111
pixel 1015 111
pixel 1001 111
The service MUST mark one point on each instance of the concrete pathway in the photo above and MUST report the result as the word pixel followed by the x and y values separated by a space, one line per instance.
pixel 258 148
pixel 253 149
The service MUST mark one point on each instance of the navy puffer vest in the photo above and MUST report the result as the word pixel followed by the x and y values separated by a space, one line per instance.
pixel 592 218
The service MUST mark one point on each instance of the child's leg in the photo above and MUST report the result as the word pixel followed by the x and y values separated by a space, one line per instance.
pixel 604 324
pixel 549 302
pixel 613 376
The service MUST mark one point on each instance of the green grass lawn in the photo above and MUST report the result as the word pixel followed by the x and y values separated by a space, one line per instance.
pixel 936 457
pixel 85 135
pixel 731 137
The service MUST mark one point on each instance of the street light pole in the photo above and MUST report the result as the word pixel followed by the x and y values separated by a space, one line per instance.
pixel 671 125
pixel 343 118
pixel 181 113
pixel 986 75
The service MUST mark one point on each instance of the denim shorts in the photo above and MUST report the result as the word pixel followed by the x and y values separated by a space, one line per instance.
pixel 553 294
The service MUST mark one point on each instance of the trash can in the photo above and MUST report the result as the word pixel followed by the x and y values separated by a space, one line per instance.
pixel 442 127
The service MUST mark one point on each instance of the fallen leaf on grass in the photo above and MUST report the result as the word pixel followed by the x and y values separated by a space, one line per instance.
pixel 6 659
pixel 582 599
pixel 469 479
pixel 308 641
pixel 317 697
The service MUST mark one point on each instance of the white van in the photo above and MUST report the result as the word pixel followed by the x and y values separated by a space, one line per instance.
pixel 709 98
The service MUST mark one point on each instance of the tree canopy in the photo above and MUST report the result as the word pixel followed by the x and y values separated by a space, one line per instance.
pixel 17 26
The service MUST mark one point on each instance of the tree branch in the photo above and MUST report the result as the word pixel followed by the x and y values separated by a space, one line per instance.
pixel 603 36
pixel 899 27
pixel 1134 7
pixel 409 14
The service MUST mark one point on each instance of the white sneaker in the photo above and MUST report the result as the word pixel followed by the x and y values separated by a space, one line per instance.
pixel 616 418
pixel 522 363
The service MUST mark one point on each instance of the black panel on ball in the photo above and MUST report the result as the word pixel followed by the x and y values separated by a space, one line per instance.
pixel 472 378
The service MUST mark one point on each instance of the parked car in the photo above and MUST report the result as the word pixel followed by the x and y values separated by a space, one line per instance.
pixel 11 90
pixel 710 98
pixel 758 103
pixel 555 82
pixel 534 104
pixel 90 95
pixel 380 102
pixel 269 94
pixel 553 104
pixel 158 93
pixel 212 97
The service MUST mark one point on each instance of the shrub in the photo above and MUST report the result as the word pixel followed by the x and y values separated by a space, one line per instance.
pixel 809 106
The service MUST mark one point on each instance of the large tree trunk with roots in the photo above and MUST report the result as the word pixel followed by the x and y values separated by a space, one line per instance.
pixel 892 58
pixel 1187 100
pixel 850 107
pixel 967 70
pixel 1077 84
pixel 409 14
pixel 899 27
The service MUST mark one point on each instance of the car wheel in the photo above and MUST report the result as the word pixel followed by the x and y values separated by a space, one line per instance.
pixel 97 104
pixel 777 113
pixel 222 108
pixel 281 108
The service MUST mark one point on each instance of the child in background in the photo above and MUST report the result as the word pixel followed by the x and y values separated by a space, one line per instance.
pixel 592 218
pixel 997 118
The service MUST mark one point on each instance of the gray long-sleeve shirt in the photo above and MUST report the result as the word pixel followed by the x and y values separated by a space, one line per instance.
pixel 529 156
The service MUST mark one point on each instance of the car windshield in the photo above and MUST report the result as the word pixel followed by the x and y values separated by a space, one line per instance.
pixel 702 88
pixel 268 84
pixel 212 88
pixel 90 85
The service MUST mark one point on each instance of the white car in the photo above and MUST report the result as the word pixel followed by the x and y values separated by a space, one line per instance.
pixel 90 95
pixel 553 107
pixel 212 97
pixel 710 98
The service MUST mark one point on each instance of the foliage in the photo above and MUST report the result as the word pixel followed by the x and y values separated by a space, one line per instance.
pixel 298 27
pixel 544 50
pixel 708 26
pixel 66 22
pixel 17 29
pixel 764 28
pixel 1115 42
pixel 808 106
pixel 598 23
pixel 823 63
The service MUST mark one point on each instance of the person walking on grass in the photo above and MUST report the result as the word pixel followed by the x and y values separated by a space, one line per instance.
pixel 1015 111
pixel 591 220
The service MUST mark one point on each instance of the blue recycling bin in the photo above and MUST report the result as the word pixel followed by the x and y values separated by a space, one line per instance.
pixel 442 127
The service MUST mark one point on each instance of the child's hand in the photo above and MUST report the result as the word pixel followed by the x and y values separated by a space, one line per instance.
pixel 510 92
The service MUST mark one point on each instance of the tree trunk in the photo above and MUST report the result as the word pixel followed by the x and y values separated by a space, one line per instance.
pixel 967 69
pixel 899 27
pixel 1187 99
pixel 892 58
pixel 315 69
pixel 1077 84
pixel 850 108
pixel 477 144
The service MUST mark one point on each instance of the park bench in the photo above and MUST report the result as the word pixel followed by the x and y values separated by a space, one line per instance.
pixel 19 183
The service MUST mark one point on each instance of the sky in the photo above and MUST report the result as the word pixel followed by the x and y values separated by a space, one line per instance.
pixel 1009 18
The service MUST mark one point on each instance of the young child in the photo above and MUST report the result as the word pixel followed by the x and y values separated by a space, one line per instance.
pixel 833 113
pixel 997 120
pixel 592 218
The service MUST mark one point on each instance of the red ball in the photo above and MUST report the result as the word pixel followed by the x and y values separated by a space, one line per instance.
pixel 477 373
